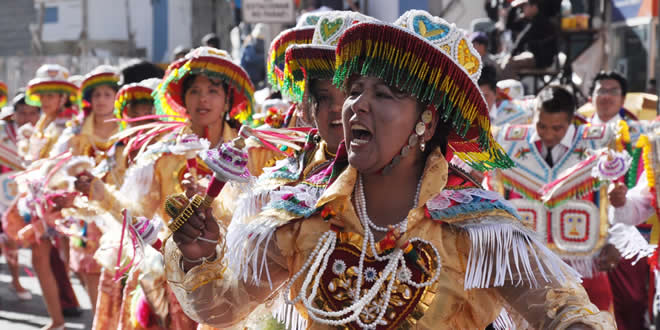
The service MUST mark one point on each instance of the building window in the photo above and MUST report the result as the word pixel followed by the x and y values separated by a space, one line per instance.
pixel 50 15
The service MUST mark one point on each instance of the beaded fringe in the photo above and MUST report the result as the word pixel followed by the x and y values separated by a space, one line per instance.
pixel 630 242
pixel 506 251
pixel 304 63
pixel 403 60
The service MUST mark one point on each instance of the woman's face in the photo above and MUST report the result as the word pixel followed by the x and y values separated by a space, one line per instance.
pixel 377 123
pixel 103 101
pixel 139 110
pixel 327 113
pixel 52 102
pixel 205 101
pixel 25 113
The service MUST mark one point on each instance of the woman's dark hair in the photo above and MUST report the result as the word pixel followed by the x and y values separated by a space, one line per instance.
pixel 137 70
pixel 187 83
pixel 488 77
pixel 313 95
pixel 555 99
pixel 442 130
pixel 605 75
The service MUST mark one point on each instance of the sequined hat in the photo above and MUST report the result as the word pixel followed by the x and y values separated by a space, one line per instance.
pixel 317 59
pixel 300 34
pixel 431 59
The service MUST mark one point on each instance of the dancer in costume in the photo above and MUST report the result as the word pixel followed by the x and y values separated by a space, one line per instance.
pixel 113 305
pixel 14 116
pixel 209 95
pixel 90 137
pixel 636 207
pixel 50 91
pixel 630 285
pixel 399 261
pixel 573 222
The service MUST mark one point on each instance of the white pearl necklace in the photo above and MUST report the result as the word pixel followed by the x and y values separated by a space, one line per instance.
pixel 317 263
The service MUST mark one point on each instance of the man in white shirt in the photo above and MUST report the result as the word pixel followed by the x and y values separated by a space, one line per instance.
pixel 608 94
pixel 629 282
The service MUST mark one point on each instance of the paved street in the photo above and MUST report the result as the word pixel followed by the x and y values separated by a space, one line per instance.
pixel 24 315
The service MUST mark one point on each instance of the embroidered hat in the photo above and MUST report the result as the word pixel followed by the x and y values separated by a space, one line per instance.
pixel 50 78
pixel 431 59
pixel 101 75
pixel 213 63
pixel 317 60
pixel 3 94
pixel 135 93
pixel 300 34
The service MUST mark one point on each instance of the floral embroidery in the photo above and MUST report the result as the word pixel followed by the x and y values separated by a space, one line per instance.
pixel 370 274
pixel 522 153
pixel 339 267
pixel 580 152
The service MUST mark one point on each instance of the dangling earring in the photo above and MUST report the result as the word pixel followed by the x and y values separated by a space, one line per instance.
pixel 420 129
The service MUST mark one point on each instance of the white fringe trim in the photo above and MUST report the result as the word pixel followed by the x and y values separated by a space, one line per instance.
pixel 288 314
pixel 630 242
pixel 504 321
pixel 251 204
pixel 585 266
pixel 245 241
pixel 137 182
pixel 502 250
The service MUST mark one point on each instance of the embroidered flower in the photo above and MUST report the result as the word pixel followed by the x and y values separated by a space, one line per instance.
pixel 370 274
pixel 339 267
pixel 404 274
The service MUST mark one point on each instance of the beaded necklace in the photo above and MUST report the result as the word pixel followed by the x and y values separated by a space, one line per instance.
pixel 395 269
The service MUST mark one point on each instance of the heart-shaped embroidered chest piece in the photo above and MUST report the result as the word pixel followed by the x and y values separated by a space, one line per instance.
pixel 406 303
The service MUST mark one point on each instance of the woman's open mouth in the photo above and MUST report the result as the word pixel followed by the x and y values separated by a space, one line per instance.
pixel 361 135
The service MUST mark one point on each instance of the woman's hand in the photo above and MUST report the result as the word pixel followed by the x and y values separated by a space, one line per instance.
pixel 84 182
pixel 197 238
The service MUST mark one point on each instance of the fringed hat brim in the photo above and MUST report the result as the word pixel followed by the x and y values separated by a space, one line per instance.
pixel 304 63
pixel 91 82
pixel 169 101
pixel 414 65
pixel 35 88
pixel 131 95
pixel 276 54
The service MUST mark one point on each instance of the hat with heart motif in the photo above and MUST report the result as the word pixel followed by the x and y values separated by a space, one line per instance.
pixel 431 59
pixel 300 34
pixel 304 62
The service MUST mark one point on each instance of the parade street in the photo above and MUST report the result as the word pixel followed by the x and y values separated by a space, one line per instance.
pixel 23 315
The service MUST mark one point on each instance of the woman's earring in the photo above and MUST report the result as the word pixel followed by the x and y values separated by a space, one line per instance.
pixel 420 128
